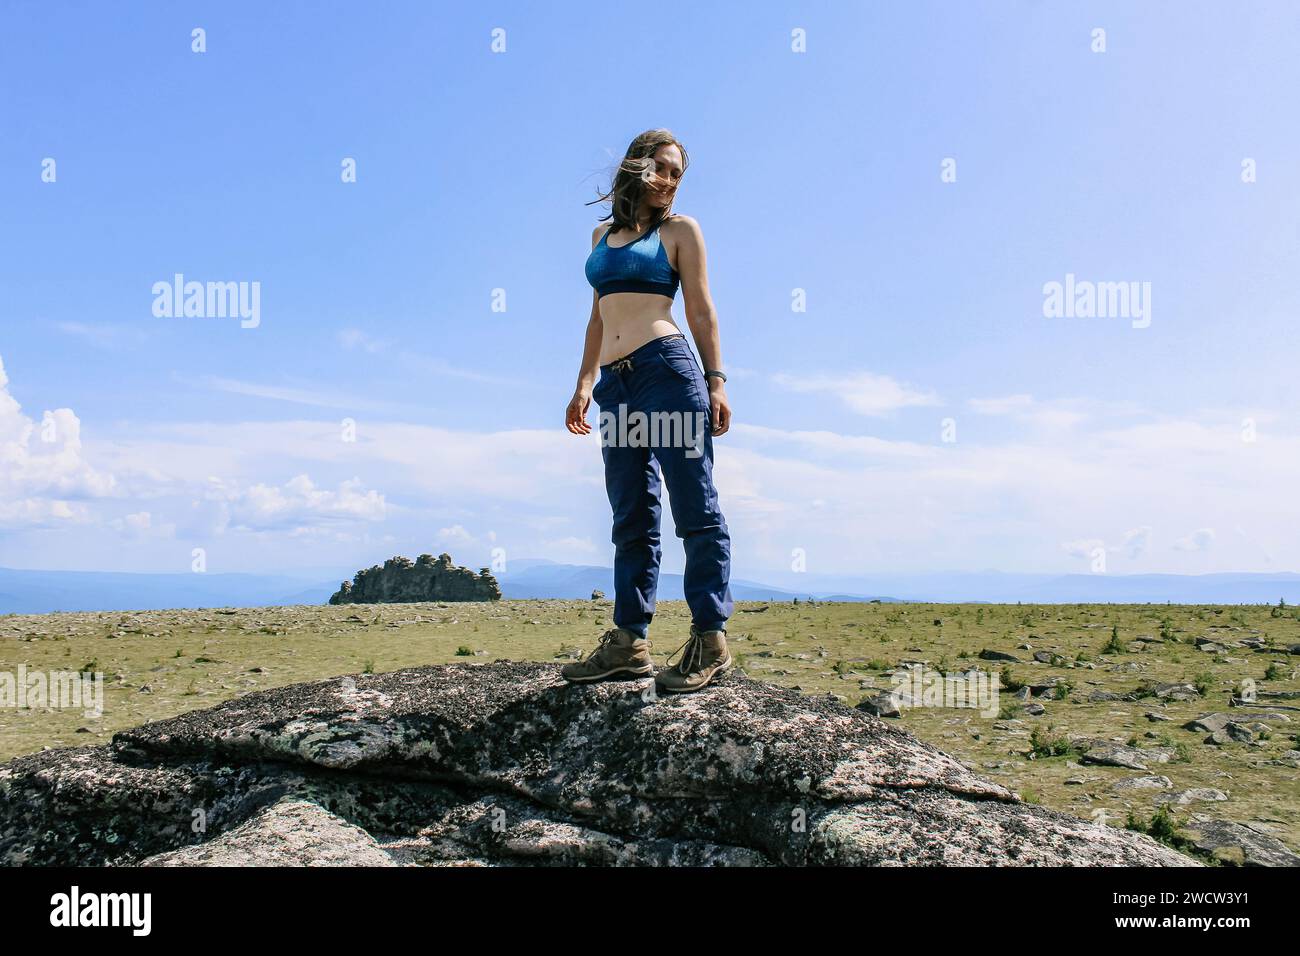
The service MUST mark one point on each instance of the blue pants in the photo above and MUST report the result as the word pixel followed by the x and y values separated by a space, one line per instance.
pixel 663 383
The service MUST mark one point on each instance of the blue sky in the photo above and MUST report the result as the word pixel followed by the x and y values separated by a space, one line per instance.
pixel 816 170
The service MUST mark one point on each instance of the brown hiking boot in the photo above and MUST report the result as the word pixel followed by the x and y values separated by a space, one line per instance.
pixel 621 653
pixel 706 657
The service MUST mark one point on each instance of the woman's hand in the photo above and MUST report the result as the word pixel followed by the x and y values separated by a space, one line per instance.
pixel 719 408
pixel 575 416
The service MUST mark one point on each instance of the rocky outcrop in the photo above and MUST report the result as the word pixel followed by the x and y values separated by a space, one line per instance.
pixel 1239 844
pixel 505 763
pixel 403 581
pixel 289 833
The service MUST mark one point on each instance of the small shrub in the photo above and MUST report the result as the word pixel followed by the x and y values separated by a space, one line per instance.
pixel 1044 744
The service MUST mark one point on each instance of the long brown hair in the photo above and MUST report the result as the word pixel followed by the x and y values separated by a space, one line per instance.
pixel 628 188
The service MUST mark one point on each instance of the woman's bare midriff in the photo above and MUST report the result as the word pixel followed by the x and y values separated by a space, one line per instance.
pixel 630 320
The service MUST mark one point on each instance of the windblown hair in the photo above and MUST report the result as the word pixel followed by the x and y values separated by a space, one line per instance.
pixel 628 188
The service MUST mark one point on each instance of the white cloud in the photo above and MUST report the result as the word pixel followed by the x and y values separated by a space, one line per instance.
pixel 296 503
pixel 103 335
pixel 864 393
pixel 1199 540
pixel 1023 408
pixel 297 396
pixel 354 339
pixel 883 502
pixel 140 524
pixel 1084 547
pixel 1137 541
pixel 456 534
pixel 39 513
pixel 42 468
pixel 850 501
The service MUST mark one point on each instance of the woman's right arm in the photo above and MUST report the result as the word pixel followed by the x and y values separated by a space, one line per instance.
pixel 575 416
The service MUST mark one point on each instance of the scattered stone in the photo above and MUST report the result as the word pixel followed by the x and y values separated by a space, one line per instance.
pixel 1130 758
pixel 887 704
pixel 1176 692
pixel 1101 696
pixel 1209 723
pixel 1243 844
pixel 988 655
pixel 1239 702
pixel 1149 782
pixel 1232 732
pixel 1183 797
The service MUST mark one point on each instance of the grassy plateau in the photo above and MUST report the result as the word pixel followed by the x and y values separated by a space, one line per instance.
pixel 1103 680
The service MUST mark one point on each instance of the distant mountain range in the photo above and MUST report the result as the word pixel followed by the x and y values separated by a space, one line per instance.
pixel 39 592
pixel 540 578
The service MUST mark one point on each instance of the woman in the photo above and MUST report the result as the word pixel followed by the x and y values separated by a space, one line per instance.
pixel 648 373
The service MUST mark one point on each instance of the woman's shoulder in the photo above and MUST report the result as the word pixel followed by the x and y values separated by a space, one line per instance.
pixel 682 230
pixel 679 225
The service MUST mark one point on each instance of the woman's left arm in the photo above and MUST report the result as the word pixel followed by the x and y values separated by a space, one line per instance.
pixel 701 317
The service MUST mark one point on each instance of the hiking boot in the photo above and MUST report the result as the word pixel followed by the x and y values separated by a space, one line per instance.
pixel 706 657
pixel 622 653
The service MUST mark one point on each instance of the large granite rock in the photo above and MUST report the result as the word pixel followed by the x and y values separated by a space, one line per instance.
pixel 288 833
pixel 505 763
pixel 403 581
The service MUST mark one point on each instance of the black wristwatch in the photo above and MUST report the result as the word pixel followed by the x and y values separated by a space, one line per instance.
pixel 714 372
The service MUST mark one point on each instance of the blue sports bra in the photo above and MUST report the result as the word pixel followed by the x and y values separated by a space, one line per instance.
pixel 640 266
